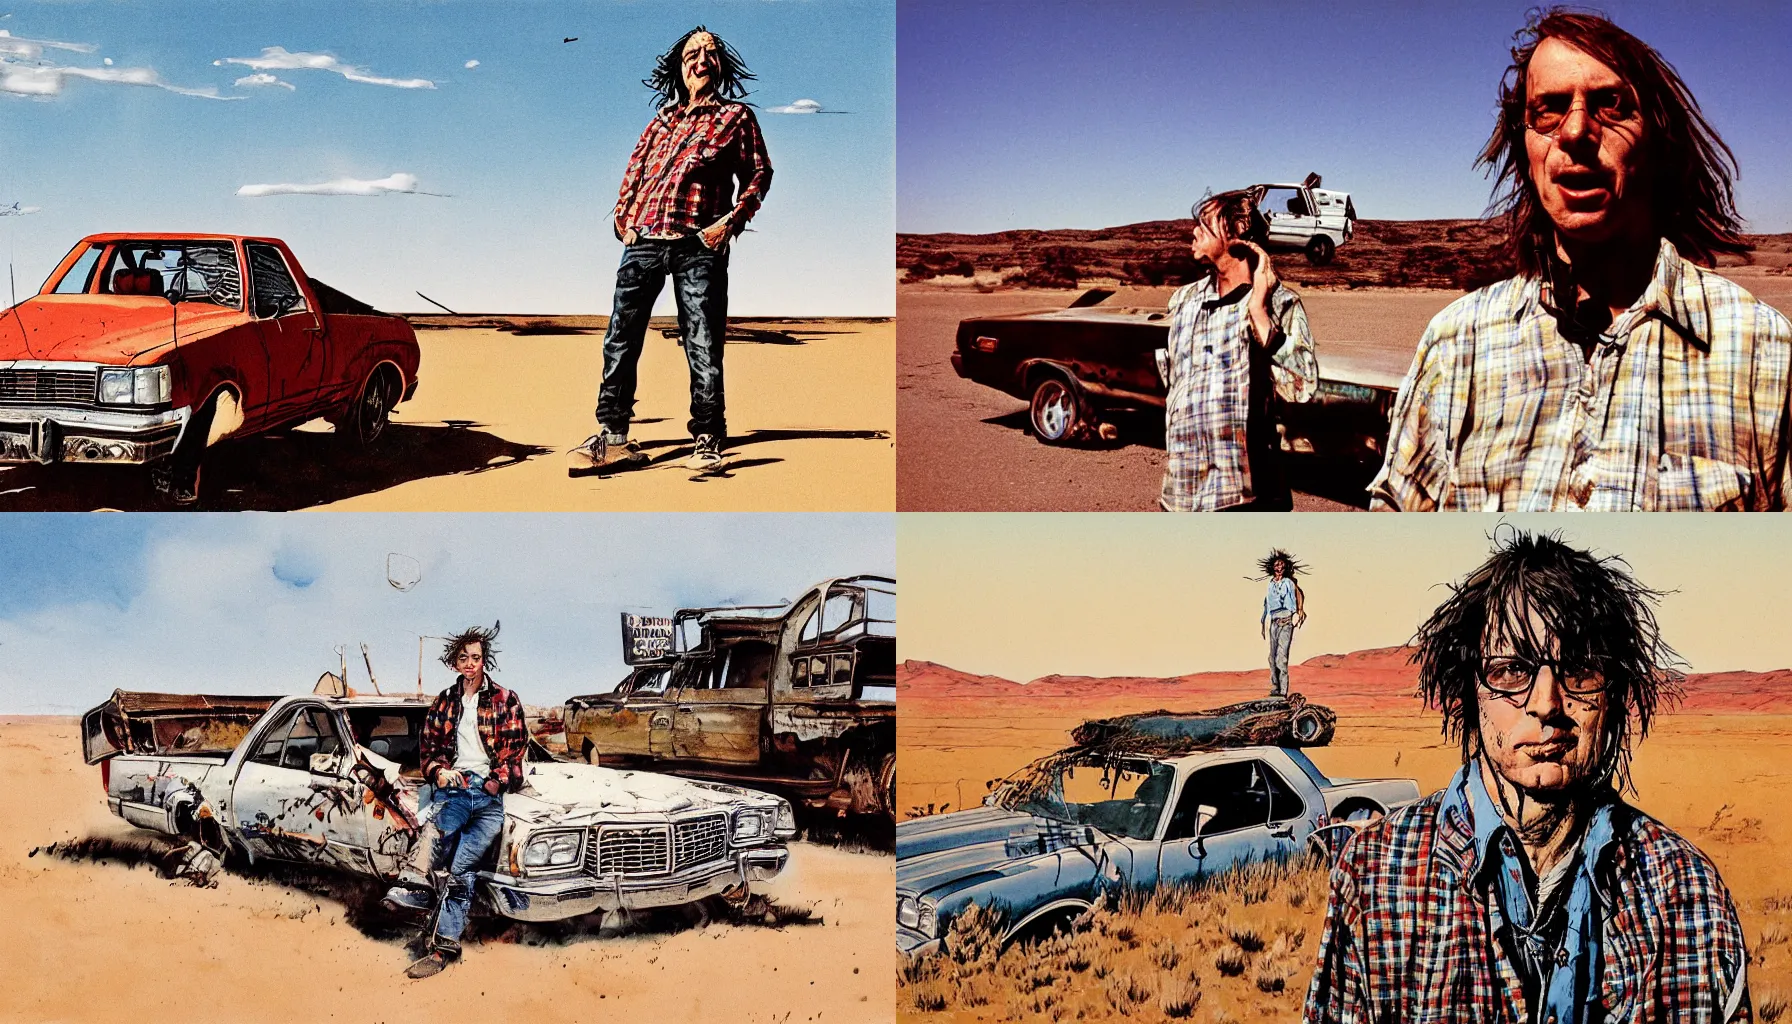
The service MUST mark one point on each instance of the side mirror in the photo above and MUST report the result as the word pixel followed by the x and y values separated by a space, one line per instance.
pixel 1204 815
pixel 326 764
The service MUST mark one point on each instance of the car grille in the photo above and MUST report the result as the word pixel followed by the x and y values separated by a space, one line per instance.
pixel 63 386
pixel 654 849
pixel 700 841
pixel 618 850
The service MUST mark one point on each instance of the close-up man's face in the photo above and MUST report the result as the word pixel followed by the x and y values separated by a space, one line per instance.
pixel 1279 568
pixel 700 63
pixel 1584 143
pixel 470 662
pixel 1544 736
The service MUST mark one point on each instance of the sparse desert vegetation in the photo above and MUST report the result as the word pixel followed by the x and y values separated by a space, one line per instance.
pixel 1230 950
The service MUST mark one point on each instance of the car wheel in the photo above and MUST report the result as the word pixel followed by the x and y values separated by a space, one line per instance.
pixel 1055 412
pixel 887 773
pixel 1320 250
pixel 1305 727
pixel 364 421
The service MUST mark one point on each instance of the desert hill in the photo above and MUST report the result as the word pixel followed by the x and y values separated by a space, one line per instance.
pixel 1461 254
pixel 1359 682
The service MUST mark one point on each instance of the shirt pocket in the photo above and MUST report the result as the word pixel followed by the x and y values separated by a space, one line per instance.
pixel 1689 483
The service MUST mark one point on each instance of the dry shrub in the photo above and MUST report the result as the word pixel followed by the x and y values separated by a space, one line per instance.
pixel 928 997
pixel 1772 1007
pixel 1246 939
pixel 1231 962
pixel 1165 955
pixel 1179 999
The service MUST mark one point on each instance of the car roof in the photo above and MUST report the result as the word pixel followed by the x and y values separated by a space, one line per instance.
pixel 175 236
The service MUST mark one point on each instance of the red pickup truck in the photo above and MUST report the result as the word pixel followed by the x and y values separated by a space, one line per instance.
pixel 148 348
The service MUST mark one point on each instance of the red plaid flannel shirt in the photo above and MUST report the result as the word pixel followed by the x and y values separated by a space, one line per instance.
pixel 501 728
pixel 681 176
pixel 1407 934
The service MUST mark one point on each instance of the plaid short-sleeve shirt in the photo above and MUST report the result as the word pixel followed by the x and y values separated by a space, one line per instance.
pixel 1207 369
pixel 681 177
pixel 1681 404
pixel 1410 933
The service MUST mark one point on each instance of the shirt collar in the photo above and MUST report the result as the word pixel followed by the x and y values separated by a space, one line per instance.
pixel 676 109
pixel 1468 799
pixel 1665 296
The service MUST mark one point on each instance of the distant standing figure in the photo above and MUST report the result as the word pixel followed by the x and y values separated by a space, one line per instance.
pixel 1284 611
pixel 675 214
pixel 1238 338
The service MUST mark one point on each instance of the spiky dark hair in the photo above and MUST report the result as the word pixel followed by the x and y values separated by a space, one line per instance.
pixel 1599 616
pixel 1266 566
pixel 473 635
pixel 667 80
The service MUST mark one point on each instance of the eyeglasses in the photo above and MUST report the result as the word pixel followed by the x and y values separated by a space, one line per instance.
pixel 1513 678
pixel 1612 108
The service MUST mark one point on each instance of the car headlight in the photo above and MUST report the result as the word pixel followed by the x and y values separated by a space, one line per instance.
pixel 785 824
pixel 919 914
pixel 143 385
pixel 748 826
pixel 552 850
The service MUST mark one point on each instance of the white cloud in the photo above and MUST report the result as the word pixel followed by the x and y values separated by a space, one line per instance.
pixel 15 210
pixel 399 182
pixel 472 64
pixel 25 72
pixel 803 106
pixel 278 58
pixel 262 78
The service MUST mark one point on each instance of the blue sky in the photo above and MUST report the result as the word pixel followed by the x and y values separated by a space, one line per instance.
pixel 530 143
pixel 1089 115
pixel 256 603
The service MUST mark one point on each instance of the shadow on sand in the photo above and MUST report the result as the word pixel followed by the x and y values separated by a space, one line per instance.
pixel 274 472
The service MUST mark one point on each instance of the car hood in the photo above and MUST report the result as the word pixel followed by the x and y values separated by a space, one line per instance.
pixel 563 793
pixel 950 851
pixel 116 329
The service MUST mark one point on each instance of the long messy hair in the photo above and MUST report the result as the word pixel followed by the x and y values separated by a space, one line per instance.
pixel 1600 617
pixel 469 636
pixel 667 80
pixel 1692 169
pixel 1236 210
pixel 1266 565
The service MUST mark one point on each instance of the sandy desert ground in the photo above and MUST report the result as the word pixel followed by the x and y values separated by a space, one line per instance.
pixel 1712 771
pixel 967 447
pixel 810 413
pixel 92 940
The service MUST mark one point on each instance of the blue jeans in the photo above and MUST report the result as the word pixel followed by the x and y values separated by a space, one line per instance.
pixel 469 820
pixel 1281 638
pixel 700 285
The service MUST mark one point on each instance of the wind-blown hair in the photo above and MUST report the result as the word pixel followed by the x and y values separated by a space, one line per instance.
pixel 1692 170
pixel 1266 565
pixel 1236 210
pixel 473 635
pixel 667 80
pixel 1602 619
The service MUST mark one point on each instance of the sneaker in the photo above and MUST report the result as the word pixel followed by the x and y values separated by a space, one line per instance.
pixel 401 898
pixel 411 878
pixel 177 487
pixel 604 453
pixel 706 456
pixel 429 966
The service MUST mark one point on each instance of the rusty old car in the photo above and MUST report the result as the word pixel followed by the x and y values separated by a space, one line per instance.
pixel 1078 367
pixel 797 699
pixel 333 781
pixel 147 348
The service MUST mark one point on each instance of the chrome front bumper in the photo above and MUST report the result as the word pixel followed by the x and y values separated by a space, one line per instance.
pixel 915 944
pixel 49 434
pixel 553 899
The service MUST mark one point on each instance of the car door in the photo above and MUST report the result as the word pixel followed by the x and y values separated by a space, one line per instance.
pixel 286 811
pixel 293 332
pixel 1289 212
pixel 1255 818
pixel 721 710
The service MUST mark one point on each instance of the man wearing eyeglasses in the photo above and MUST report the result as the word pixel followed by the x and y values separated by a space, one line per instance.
pixel 1615 372
pixel 1527 890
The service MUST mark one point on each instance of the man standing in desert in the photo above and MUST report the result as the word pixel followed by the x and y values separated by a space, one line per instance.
pixel 1237 336
pixel 1615 372
pixel 1284 611
pixel 1527 890
pixel 676 214
pixel 472 748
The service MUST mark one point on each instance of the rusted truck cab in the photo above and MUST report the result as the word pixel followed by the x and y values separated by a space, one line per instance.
pixel 800 700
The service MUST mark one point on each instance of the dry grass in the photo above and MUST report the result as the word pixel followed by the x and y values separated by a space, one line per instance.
pixel 1227 951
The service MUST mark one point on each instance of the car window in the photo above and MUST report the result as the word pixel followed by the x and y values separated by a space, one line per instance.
pixel 1282 202
pixel 842 669
pixel 1124 799
pixel 749 663
pixel 842 607
pixel 811 627
pixel 187 271
pixel 267 749
pixel 1241 793
pixel 312 733
pixel 651 682
pixel 276 294
pixel 393 735
pixel 79 278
